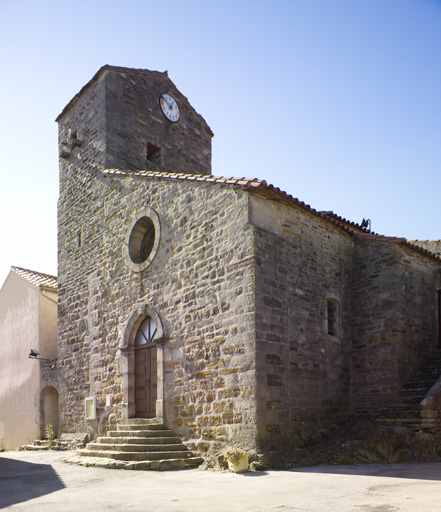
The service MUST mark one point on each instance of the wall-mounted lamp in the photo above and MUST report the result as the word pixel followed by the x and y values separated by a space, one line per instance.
pixel 34 355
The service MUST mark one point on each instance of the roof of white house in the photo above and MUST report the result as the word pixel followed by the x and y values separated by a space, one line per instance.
pixel 37 278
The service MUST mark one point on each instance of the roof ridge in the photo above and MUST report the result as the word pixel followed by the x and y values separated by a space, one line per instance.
pixel 270 191
pixel 210 178
pixel 133 71
pixel 371 235
pixel 108 67
pixel 346 221
pixel 39 279
pixel 136 71
pixel 425 240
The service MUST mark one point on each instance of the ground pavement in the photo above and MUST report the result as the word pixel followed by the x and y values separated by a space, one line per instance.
pixel 39 481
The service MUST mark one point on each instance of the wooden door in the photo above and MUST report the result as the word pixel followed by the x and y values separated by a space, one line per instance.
pixel 146 380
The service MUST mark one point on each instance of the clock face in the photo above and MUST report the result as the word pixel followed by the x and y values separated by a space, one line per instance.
pixel 169 107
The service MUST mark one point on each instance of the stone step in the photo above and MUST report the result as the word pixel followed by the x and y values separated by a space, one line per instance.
pixel 413 424
pixel 407 404
pixel 139 440
pixel 132 447
pixel 408 394
pixel 140 426
pixel 135 456
pixel 140 433
pixel 404 421
pixel 143 421
pixel 139 444
pixel 416 391
pixel 32 447
pixel 407 409
pixel 421 383
pixel 404 409
pixel 155 465
pixel 403 406
pixel 402 414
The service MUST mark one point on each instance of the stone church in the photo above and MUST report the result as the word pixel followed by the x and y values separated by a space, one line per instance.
pixel 227 309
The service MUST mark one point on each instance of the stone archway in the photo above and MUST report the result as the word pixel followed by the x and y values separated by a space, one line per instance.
pixel 127 361
pixel 50 410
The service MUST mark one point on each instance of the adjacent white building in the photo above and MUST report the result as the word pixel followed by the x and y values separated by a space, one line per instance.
pixel 28 387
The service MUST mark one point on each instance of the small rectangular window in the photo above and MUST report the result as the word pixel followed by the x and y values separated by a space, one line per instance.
pixel 332 318
pixel 153 152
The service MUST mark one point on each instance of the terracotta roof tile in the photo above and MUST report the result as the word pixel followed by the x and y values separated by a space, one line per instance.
pixel 37 278
pixel 337 219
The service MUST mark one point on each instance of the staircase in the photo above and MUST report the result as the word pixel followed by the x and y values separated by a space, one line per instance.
pixel 407 410
pixel 69 441
pixel 140 444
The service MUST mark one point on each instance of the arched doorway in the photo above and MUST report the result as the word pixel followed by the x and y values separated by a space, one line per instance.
pixel 143 329
pixel 49 410
pixel 146 369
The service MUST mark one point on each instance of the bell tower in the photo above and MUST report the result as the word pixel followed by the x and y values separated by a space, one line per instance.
pixel 132 119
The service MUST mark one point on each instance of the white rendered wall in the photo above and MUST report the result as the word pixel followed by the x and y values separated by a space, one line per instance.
pixel 19 376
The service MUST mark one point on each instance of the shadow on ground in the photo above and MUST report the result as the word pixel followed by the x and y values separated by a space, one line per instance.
pixel 22 481
pixel 415 471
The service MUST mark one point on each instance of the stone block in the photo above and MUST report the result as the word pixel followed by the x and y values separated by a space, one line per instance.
pixel 274 380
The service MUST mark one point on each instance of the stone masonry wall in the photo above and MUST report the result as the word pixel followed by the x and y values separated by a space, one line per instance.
pixel 80 161
pixel 135 121
pixel 200 284
pixel 240 284
pixel 393 318
pixel 117 122
pixel 303 373
pixel 76 206
pixel 419 277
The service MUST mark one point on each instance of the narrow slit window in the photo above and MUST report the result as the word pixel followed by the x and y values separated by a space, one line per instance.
pixel 332 313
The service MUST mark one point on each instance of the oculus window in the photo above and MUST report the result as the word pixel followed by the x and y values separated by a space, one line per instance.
pixel 142 239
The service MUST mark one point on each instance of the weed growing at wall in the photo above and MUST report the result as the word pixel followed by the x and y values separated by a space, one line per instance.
pixel 50 435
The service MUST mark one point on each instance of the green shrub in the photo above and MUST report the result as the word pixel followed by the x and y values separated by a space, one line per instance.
pixel 50 435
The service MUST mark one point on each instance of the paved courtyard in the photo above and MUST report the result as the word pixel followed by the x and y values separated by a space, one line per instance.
pixel 39 482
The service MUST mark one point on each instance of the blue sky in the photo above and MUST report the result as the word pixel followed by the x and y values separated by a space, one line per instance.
pixel 336 102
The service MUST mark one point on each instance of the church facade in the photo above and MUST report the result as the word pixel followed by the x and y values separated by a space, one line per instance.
pixel 224 307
